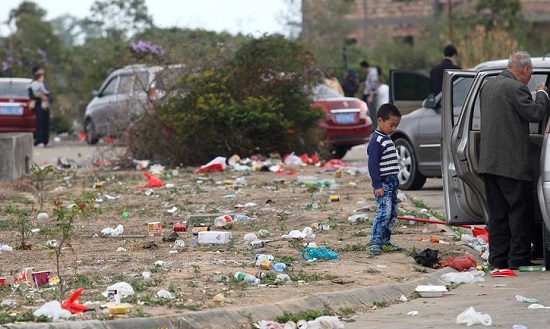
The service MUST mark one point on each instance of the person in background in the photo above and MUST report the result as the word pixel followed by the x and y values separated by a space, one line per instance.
pixel 39 95
pixel 371 90
pixel 332 82
pixel 350 84
pixel 436 74
pixel 383 168
pixel 383 89
pixel 507 107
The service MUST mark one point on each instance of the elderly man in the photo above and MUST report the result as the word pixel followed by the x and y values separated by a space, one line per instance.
pixel 507 107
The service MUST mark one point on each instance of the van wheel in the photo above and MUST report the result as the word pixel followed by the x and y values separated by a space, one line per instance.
pixel 91 134
pixel 409 176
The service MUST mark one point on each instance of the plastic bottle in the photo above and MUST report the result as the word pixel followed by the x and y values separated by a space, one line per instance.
pixel 263 257
pixel 537 268
pixel 257 274
pixel 272 266
pixel 258 243
pixel 242 276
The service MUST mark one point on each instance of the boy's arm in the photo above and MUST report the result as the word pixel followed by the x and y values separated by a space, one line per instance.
pixel 373 151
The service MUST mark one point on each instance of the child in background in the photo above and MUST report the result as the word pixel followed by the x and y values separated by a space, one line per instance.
pixel 383 169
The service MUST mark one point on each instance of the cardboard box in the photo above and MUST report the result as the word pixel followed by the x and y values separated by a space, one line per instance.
pixel 215 237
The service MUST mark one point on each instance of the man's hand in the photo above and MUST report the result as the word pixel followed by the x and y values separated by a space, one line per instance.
pixel 541 87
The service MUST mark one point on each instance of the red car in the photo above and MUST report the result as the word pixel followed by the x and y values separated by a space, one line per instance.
pixel 346 123
pixel 15 114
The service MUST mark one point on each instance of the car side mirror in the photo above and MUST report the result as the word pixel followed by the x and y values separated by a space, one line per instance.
pixel 430 102
pixel 95 93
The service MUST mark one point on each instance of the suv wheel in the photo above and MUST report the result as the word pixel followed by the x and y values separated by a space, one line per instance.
pixel 89 130
pixel 409 176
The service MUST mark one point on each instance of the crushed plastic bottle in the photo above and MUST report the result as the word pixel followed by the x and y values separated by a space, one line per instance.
pixel 242 276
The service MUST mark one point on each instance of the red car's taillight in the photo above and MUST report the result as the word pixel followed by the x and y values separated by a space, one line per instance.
pixel 152 93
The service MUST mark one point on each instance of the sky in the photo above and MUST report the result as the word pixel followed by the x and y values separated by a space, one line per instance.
pixel 254 17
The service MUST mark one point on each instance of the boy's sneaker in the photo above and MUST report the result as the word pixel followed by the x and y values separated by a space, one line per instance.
pixel 374 248
pixel 391 247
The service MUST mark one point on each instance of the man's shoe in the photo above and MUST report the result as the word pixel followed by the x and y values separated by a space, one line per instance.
pixel 391 247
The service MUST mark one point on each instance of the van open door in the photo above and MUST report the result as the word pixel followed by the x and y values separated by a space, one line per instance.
pixel 408 89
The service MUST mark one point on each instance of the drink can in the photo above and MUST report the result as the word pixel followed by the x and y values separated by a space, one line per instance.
pixel 198 229
pixel 228 182
pixel 338 173
pixel 180 227
pixel 51 244
pixel 334 198
pixel 265 265
pixel 154 228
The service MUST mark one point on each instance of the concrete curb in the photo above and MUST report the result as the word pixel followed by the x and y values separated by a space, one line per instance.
pixel 237 318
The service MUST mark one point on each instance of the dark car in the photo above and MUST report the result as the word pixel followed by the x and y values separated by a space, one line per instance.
pixel 15 113
pixel 346 122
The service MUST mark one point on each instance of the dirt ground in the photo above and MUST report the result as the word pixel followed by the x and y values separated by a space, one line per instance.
pixel 201 277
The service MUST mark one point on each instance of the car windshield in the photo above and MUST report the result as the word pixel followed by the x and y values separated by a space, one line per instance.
pixel 322 91
pixel 12 88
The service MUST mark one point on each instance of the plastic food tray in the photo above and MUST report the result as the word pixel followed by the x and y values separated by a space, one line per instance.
pixel 431 291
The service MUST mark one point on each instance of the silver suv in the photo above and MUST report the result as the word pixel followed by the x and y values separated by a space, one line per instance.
pixel 465 200
pixel 123 97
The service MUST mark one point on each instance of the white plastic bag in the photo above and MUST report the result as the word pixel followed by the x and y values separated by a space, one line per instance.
pixel 123 289
pixel 464 277
pixel 113 231
pixel 470 317
pixel 53 310
pixel 293 160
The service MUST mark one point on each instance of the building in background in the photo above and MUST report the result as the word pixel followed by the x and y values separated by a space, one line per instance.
pixel 370 20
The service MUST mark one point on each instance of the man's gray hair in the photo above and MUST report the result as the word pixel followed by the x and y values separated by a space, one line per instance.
pixel 520 59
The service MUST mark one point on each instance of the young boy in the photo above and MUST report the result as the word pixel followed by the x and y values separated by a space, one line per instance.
pixel 383 170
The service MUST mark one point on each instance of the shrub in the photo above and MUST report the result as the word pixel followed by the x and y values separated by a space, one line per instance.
pixel 256 102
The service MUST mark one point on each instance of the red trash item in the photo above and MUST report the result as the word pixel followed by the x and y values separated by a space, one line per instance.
pixel 81 137
pixel 481 232
pixel 334 164
pixel 503 273
pixel 152 181
pixel 216 167
pixel 461 263
pixel 71 305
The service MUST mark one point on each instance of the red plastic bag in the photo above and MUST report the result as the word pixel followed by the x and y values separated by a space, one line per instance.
pixel 152 181
pixel 71 304
pixel 461 263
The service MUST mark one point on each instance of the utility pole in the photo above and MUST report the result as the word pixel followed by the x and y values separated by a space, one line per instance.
pixel 450 18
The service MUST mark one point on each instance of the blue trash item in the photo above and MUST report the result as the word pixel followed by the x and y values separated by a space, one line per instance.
pixel 320 253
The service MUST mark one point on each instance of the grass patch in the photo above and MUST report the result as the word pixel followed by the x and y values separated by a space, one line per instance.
pixel 308 316
pixel 353 247
pixel 309 277
pixel 371 270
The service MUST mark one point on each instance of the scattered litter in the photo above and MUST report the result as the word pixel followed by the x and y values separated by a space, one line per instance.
pixel 42 216
pixel 152 181
pixel 522 299
pixel 358 218
pixel 141 164
pixel 52 310
pixel 108 231
pixel 403 299
pixel 464 277
pixel 537 306
pixel 428 258
pixel 156 169
pixel 429 291
pixel 311 254
pixel 5 247
pixel 71 304
pixel 216 165
pixel 470 317
pixel 160 263
pixel 218 298
pixel 502 273
pixel 122 288
pixel 250 237
pixel 121 249
pixel 146 274
pixel 412 313
pixel 461 263
pixel 164 294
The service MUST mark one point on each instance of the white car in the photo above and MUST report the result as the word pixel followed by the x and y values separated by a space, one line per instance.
pixel 124 96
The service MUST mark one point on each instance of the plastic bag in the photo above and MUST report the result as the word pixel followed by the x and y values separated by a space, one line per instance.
pixel 53 310
pixel 293 160
pixel 464 277
pixel 428 258
pixel 122 288
pixel 470 317
pixel 152 181
pixel 321 253
pixel 216 165
pixel 461 263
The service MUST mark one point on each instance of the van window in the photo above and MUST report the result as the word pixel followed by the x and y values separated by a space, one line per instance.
pixel 460 89
pixel 141 81
pixel 110 88
pixel 125 85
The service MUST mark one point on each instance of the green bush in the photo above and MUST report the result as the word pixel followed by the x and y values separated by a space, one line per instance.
pixel 256 102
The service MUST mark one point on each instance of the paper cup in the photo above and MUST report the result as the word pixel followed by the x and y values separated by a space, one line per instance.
pixel 41 278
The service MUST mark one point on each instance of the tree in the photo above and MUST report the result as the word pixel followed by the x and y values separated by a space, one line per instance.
pixel 120 18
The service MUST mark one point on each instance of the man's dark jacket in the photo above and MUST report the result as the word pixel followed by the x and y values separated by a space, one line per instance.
pixel 436 75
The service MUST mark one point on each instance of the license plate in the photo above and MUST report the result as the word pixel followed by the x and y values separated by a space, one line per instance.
pixel 11 110
pixel 344 117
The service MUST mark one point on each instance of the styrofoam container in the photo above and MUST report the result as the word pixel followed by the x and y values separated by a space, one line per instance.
pixel 431 291
pixel 214 237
